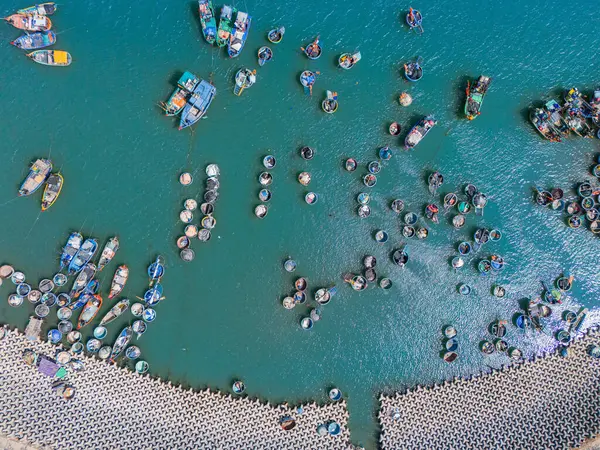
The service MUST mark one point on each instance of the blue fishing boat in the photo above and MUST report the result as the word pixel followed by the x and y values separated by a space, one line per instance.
pixel 197 104
pixel 38 173
pixel 121 342
pixel 413 71
pixel 418 132
pixel 239 34
pixel 414 19
pixel 83 256
pixel 156 270
pixel 70 249
pixel 153 295
pixel 35 41
pixel 85 276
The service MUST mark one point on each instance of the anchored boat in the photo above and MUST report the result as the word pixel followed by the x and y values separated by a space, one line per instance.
pixel 83 279
pixel 121 342
pixel 197 104
pixel 244 79
pixel 118 281
pixel 38 173
pixel 413 70
pixel 43 9
pixel 35 41
pixel 56 58
pixel 70 249
pixel 115 312
pixel 207 20
pixel 435 180
pixel 156 270
pixel 556 120
pixel 89 311
pixel 475 96
pixel 541 121
pixel 419 131
pixel 265 54
pixel 414 20
pixel 347 61
pixel 313 50
pixel 595 105
pixel 307 79
pixel 108 253
pixel 225 25
pixel 276 35
pixel 239 35
pixel 83 256
pixel 185 86
pixel 30 22
pixel 52 190
pixel 330 104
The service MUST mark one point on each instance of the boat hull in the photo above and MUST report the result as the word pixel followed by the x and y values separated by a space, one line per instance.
pixel 29 22
pixel 38 173
pixel 52 190
pixel 108 253
pixel 70 249
pixel 119 280
pixel 55 58
pixel 35 41
pixel 83 256
pixel 241 27
pixel 43 9
pixel 207 21
pixel 197 104
pixel 89 311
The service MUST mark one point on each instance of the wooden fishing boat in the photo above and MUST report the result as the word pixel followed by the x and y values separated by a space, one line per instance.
pixel 52 190
pixel 313 50
pixel 577 123
pixel 115 312
pixel 239 34
pixel 29 22
pixel 395 129
pixel 207 20
pixel 89 311
pixel 276 35
pixel 43 9
pixel 414 19
pixel 83 256
pixel 225 25
pixel 121 342
pixel 197 104
pixel 556 119
pixel 575 101
pixel 83 279
pixel 347 60
pixel 38 172
pixel 419 131
pixel 108 253
pixel 595 105
pixel 265 54
pixel 185 86
pixel 475 95
pixel 307 79
pixel 118 281
pixel 413 70
pixel 541 121
pixel 35 41
pixel 156 270
pixel 330 104
pixel 436 180
pixel 56 58
pixel 70 249
pixel 80 302
pixel 244 78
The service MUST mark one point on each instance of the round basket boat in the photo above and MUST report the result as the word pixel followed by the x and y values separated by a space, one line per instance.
pixel 42 310
pixel 515 354
pixel 322 296
pixel 335 394
pixel 54 336
pixel 288 303
pixel 212 184
pixel 363 198
pixel 46 286
pixel 451 345
pixel 269 162
pixel 487 347
pixel 374 167
pixel 64 313
pixel 208 222
pixel 183 242
pixel 408 231
pixel 299 297
pixel 369 262
pixel 405 99
pixel 464 248
pixel 6 271
pixel 311 198
pixel 65 327
pixel 137 309
pixel 265 179
pixel 142 367
pixel 261 211
pixel 569 316
pixel 381 236
pixel 450 356
pixel 395 129
pixel 457 262
pixel 204 235
pixel 207 208
pixel 213 170
pixel 307 153
pixel 100 332
pixel 104 352
pixel 370 275
pixel 23 289
pixel 450 332
pixel 422 233
pixel 350 164
pixel 306 323
pixel 410 218
pixel 290 265
pixel 397 206
pixel 93 345
pixel 264 195
pixel 574 221
pixel 59 280
pixel 34 296
pixel 464 289
pixel 585 189
pixel 363 211
pixel 133 352
pixel 186 178
pixel 304 178
pixel 187 254
pixel 370 180
pixel 385 283
pixel 499 291
pixel 15 300
pixel 74 336
pixel 563 336
pixel 564 284
pixel 139 327
pixel 190 204
pixel 300 284
pixel 76 348
pixel 186 216
pixel 17 277
pixel 385 154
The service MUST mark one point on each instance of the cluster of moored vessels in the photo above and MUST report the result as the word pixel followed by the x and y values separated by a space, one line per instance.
pixel 40 173
pixel 578 115
pixel 207 208
pixel 191 99
pixel 36 24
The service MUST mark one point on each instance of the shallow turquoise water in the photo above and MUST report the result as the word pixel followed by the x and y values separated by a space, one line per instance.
pixel 222 319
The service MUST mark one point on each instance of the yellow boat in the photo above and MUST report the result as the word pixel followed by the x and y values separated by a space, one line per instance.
pixel 51 57
pixel 52 190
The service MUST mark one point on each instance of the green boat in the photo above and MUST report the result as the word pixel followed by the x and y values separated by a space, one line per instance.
pixel 226 23
pixel 207 20
pixel 475 96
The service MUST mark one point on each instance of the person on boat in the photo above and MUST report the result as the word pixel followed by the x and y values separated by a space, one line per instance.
pixel 411 16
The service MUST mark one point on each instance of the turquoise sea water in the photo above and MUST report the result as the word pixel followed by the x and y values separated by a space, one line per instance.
pixel 223 319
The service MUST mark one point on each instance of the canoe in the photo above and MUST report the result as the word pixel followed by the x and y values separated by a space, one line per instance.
pixel 121 342
pixel 244 78
pixel 52 190
pixel 118 281
pixel 156 270
pixel 239 34
pixel 29 22
pixel 307 79
pixel 207 20
pixel 419 131
pixel 70 249
pixel 225 25
pixel 348 60
pixel 436 180
pixel 541 121
pixel 413 70
pixel 475 96
pixel 35 41
pixel 56 58
pixel 115 312
pixel 414 20
pixel 276 35
pixel 395 129
pixel 43 9
pixel 185 86
pixel 197 104
pixel 83 256
pixel 330 104
pixel 556 119
pixel 85 276
pixel 38 172
pixel 89 311
pixel 265 54
pixel 313 50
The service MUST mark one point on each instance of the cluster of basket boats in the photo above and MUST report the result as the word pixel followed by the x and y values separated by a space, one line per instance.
pixel 40 173
pixel 587 203
pixel 555 122
pixel 37 25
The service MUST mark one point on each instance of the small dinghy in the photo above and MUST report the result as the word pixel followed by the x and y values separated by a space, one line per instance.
pixel 38 173
pixel 330 104
pixel 43 9
pixel 108 253
pixel 307 79
pixel 57 58
pixel 83 256
pixel 436 180
pixel 52 190
pixel 265 54
pixel 414 19
pixel 35 41
pixel 313 50
pixel 347 60
pixel 413 70
pixel 85 276
pixel 244 79
pixel 70 249
pixel 156 270
pixel 29 22
pixel 89 311
pixel 276 35
pixel 400 257
pixel 118 281
pixel 418 132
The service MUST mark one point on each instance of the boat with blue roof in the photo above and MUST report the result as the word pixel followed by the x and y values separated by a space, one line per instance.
pixel 83 256
pixel 239 34
pixel 207 20
pixel 197 104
